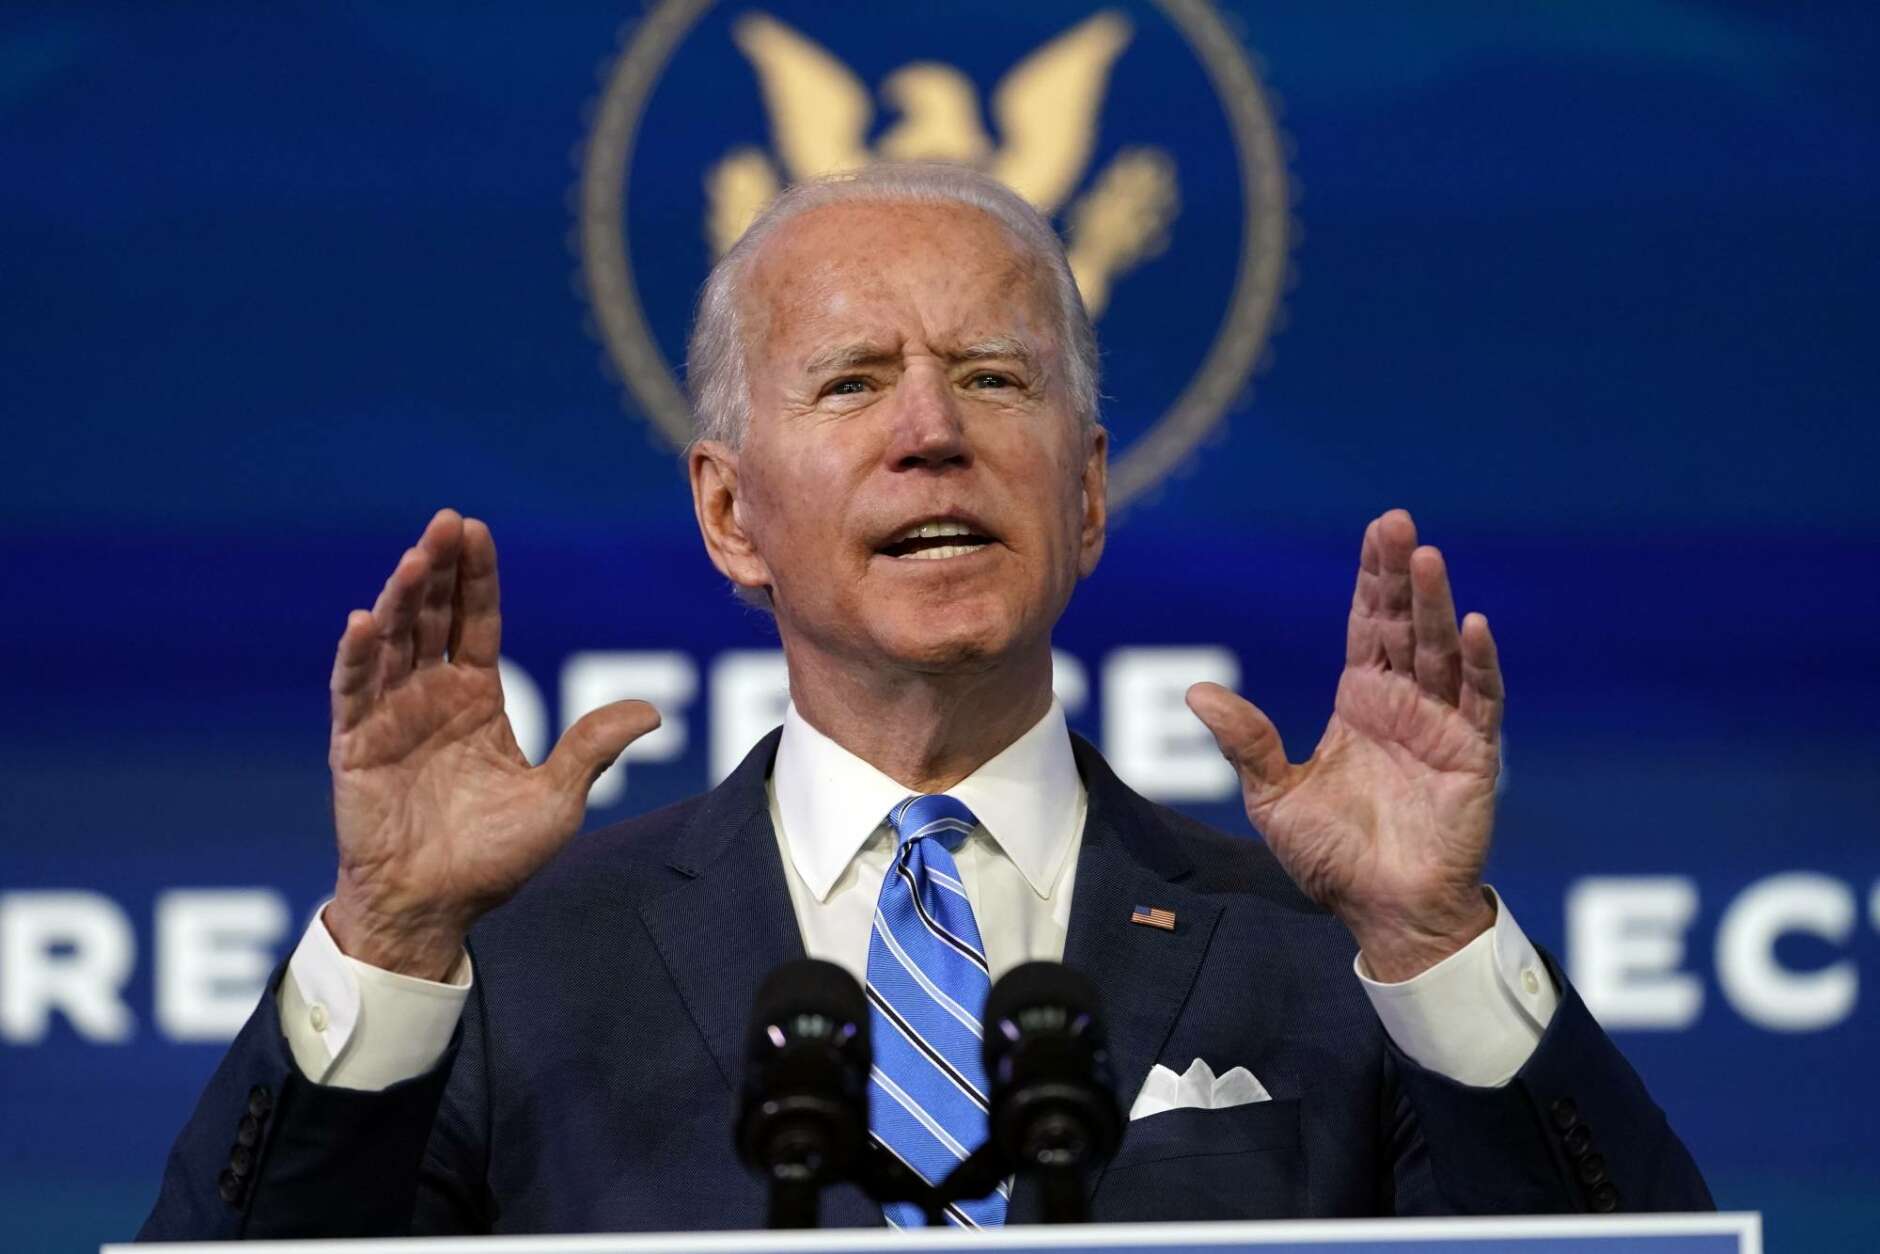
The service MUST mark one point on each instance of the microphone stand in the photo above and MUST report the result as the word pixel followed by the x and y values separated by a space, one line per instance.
pixel 974 1178
pixel 797 1156
pixel 1057 1148
pixel 1065 1200
pixel 885 1178
pixel 1061 1173
pixel 794 1203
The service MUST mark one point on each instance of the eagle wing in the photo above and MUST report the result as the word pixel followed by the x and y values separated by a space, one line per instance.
pixel 1046 110
pixel 1120 221
pixel 819 110
pixel 737 189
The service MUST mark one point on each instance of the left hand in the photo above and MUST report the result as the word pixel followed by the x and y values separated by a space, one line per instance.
pixel 1387 824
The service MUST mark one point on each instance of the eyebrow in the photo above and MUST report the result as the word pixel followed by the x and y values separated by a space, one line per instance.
pixel 998 346
pixel 849 356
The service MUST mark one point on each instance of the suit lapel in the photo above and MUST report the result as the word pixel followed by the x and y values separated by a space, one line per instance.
pixel 724 928
pixel 1143 974
pixel 730 921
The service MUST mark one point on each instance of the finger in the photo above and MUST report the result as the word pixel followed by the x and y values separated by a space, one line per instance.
pixel 1483 696
pixel 1396 541
pixel 476 628
pixel 442 542
pixel 395 614
pixel 1433 611
pixel 1247 737
pixel 355 663
pixel 596 739
pixel 1364 643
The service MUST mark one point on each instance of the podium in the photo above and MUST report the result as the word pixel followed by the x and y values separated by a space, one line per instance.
pixel 1736 1233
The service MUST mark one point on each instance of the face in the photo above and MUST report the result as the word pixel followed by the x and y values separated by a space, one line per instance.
pixel 913 487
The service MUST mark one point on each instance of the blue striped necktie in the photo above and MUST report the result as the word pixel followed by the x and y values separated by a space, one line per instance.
pixel 927 985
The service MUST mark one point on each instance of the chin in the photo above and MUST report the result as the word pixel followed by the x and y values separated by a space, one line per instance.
pixel 955 640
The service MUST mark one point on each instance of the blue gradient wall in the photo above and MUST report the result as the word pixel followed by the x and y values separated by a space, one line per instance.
pixel 1589 288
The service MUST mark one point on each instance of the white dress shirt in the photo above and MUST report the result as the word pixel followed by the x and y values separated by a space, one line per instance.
pixel 1474 1017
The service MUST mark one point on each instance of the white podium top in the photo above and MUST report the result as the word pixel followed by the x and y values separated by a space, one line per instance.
pixel 1736 1233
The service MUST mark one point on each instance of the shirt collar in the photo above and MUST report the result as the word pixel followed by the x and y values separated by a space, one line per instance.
pixel 831 802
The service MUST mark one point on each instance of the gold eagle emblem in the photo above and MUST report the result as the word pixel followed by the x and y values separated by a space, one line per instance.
pixel 1046 109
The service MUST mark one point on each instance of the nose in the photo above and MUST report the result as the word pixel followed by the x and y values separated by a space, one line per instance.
pixel 928 433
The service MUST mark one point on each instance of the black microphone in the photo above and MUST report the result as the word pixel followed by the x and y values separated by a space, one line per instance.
pixel 1054 1112
pixel 803 1115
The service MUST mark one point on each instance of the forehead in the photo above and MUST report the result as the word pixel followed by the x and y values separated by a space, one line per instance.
pixel 889 269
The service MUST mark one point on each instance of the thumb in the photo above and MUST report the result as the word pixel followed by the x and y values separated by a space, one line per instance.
pixel 1246 736
pixel 595 740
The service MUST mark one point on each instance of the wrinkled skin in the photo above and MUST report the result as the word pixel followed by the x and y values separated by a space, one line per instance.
pixel 438 814
pixel 903 368
pixel 1388 823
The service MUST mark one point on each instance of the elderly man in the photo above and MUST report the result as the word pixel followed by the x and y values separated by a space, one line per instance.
pixel 490 1029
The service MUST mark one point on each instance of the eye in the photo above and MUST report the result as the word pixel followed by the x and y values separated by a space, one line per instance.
pixel 987 379
pixel 849 386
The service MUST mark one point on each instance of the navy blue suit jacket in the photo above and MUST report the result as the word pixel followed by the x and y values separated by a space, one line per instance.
pixel 590 1084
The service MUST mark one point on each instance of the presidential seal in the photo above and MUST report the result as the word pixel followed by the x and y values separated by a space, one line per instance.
pixel 1141 131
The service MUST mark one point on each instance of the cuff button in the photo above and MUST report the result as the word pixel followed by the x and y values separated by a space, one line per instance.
pixel 1565 1113
pixel 260 1101
pixel 316 1016
pixel 1531 982
pixel 229 1187
pixel 1605 1198
pixel 248 1131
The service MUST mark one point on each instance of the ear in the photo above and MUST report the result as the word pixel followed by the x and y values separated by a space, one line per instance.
pixel 712 467
pixel 1096 499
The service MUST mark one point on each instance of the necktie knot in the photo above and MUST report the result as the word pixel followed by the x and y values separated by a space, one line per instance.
pixel 934 816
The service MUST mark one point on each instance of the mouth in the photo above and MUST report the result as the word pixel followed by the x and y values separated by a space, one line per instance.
pixel 936 539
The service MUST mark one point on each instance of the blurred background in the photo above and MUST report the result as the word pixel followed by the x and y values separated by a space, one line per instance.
pixel 1586 286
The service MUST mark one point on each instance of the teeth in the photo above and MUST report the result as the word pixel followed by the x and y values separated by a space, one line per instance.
pixel 935 554
pixel 934 530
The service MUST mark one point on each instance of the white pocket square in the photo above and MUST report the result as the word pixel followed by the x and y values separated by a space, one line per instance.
pixel 1198 1088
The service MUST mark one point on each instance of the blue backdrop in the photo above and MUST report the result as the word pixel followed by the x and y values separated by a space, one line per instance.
pixel 1585 286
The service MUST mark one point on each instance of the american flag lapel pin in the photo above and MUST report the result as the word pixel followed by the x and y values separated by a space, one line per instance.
pixel 1153 916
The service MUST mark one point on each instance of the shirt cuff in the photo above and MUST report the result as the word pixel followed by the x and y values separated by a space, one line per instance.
pixel 355 1026
pixel 1477 1015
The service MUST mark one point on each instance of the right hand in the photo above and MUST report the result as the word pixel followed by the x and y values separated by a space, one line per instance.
pixel 439 815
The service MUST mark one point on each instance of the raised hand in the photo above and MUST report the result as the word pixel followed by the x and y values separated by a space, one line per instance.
pixel 1388 823
pixel 439 815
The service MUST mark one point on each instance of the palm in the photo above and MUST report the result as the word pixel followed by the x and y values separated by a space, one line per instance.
pixel 438 813
pixel 1391 816
pixel 1400 789
pixel 433 781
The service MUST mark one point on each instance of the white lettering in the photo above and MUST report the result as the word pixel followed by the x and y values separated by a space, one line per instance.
pixel 64 951
pixel 1763 990
pixel 750 688
pixel 528 713
pixel 666 678
pixel 1069 683
pixel 215 948
pixel 1625 940
pixel 1151 737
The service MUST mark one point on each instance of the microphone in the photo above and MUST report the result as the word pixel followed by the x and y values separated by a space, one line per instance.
pixel 803 1113
pixel 1054 1113
pixel 1054 1109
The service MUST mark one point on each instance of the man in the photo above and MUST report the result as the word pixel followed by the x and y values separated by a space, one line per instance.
pixel 899 455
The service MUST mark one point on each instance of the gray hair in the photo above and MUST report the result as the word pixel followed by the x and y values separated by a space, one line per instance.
pixel 715 356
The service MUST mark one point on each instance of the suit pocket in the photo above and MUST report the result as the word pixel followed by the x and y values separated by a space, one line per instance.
pixel 1242 1162
pixel 1188 1132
